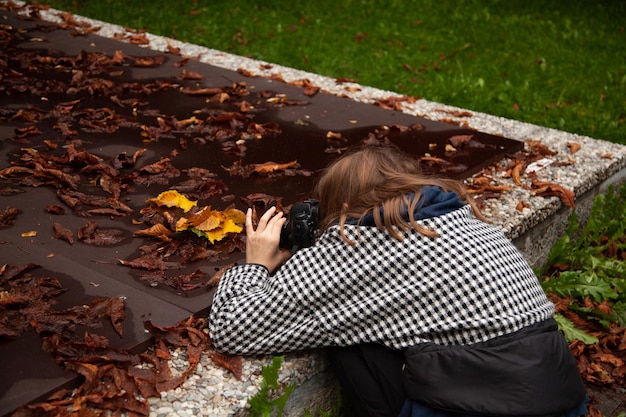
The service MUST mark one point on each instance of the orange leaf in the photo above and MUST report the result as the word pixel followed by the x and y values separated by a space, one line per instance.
pixel 158 230
pixel 214 224
pixel 173 198
pixel 550 189
pixel 515 173
pixel 573 147
pixel 540 148
pixel 268 167
pixel 206 219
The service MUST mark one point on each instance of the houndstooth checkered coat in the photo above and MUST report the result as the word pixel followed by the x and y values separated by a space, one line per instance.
pixel 468 285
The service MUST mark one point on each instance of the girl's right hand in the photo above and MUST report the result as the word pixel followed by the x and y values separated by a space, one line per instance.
pixel 262 244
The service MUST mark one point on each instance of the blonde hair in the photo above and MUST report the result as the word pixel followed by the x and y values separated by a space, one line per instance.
pixel 372 177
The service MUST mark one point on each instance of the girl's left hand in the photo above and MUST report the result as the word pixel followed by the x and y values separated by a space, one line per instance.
pixel 262 244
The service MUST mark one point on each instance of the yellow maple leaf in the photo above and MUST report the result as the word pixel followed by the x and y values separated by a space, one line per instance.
pixel 182 224
pixel 213 224
pixel 219 233
pixel 172 198
pixel 213 235
pixel 230 226
pixel 237 216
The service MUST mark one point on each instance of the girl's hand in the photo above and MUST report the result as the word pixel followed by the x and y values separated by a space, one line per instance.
pixel 262 244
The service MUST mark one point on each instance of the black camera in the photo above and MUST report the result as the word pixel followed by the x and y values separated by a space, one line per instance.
pixel 299 230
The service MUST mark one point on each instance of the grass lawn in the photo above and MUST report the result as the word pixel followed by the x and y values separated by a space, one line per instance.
pixel 552 63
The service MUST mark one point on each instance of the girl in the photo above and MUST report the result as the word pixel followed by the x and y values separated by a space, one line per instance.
pixel 423 308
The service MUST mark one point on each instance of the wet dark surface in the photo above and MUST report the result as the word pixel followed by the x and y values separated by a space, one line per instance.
pixel 88 271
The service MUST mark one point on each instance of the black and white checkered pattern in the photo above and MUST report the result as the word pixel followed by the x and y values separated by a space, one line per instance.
pixel 466 286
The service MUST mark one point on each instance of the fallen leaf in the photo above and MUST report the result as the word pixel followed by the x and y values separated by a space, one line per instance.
pixel 8 216
pixel 459 141
pixel 230 362
pixel 213 224
pixel 540 148
pixel 158 231
pixel 516 172
pixel 270 166
pixel 63 233
pixel 544 188
pixel 173 198
pixel 573 147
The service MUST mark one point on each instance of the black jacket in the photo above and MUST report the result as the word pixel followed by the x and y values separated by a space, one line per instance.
pixel 527 373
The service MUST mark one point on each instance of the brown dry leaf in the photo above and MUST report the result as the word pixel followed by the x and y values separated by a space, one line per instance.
pixel 54 209
pixel 219 98
pixel 270 166
pixel 483 184
pixel 87 230
pixel 204 220
pixel 158 231
pixel 309 89
pixel 573 147
pixel 208 91
pixel 263 128
pixel 191 75
pixel 118 58
pixel 63 233
pixel 394 103
pixel 455 113
pixel 262 199
pixel 459 141
pixel 597 374
pixel 516 172
pixel 89 371
pixel 254 218
pixel 114 308
pixel 245 72
pixel 105 237
pixel 137 39
pixel 230 362
pixel 544 188
pixel 540 148
pixel 215 279
pixel 7 172
pixel 149 263
pixel 441 165
pixel 7 216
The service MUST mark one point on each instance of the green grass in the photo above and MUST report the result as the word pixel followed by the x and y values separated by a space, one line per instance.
pixel 552 63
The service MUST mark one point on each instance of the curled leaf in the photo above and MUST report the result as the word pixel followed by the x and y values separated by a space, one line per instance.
pixel 270 166
pixel 158 231
pixel 173 198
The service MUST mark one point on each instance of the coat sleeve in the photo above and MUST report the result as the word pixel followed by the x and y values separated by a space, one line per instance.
pixel 255 313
